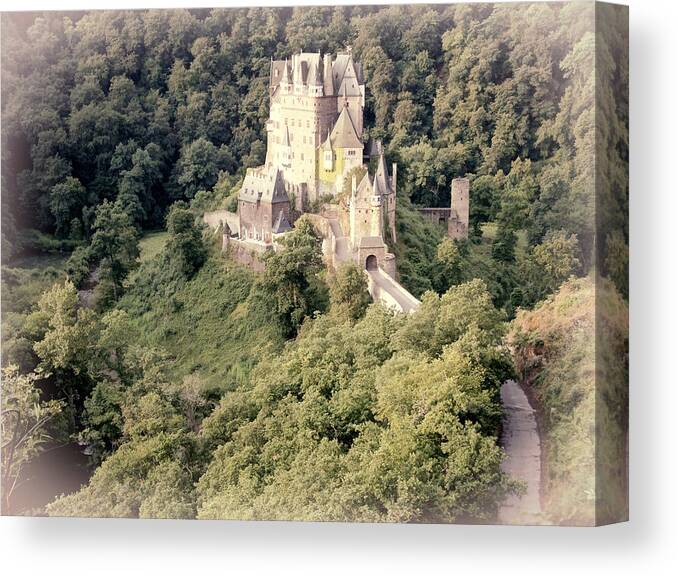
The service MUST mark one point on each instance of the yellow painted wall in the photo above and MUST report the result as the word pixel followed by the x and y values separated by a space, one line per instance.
pixel 327 176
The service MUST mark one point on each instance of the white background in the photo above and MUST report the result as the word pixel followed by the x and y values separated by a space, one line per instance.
pixel 646 545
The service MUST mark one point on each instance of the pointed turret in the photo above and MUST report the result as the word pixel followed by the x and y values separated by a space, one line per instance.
pixel 327 144
pixel 381 186
pixel 314 74
pixel 327 154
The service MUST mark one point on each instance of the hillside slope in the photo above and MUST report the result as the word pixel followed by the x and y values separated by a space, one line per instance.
pixel 568 360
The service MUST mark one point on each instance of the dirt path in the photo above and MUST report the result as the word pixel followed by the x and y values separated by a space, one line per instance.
pixel 520 439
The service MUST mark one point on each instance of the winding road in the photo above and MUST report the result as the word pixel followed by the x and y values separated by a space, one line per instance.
pixel 520 439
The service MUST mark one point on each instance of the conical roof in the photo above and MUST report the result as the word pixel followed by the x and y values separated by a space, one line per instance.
pixel 381 185
pixel 327 144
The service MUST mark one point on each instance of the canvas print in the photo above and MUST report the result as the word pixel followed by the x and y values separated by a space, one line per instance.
pixel 354 263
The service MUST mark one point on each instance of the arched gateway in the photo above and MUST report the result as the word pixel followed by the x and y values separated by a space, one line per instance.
pixel 371 262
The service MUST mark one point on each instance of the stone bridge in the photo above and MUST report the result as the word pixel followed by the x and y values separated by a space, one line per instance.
pixel 381 285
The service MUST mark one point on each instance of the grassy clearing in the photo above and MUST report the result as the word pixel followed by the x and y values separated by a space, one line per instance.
pixel 27 278
pixel 152 244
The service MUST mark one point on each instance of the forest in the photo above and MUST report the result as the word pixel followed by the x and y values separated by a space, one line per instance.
pixel 194 387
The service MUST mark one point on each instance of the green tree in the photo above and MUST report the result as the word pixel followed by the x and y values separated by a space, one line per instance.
pixel 115 244
pixel 348 292
pixel 290 278
pixel 25 421
pixel 449 264
pixel 198 167
pixel 66 200
pixel 185 246
pixel 504 245
pixel 68 344
pixel 550 264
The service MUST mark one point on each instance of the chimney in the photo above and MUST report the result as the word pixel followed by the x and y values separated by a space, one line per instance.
pixel 328 83
pixel 394 177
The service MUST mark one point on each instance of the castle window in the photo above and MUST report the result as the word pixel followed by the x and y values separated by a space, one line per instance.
pixel 302 155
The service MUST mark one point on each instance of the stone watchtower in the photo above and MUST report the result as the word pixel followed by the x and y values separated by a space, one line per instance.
pixel 457 225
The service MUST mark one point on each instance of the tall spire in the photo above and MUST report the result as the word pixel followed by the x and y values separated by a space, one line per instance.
pixel 381 177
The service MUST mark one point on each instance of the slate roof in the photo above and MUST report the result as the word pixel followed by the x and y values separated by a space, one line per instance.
pixel 343 134
pixel 373 147
pixel 344 77
pixel 279 69
pixel 263 185
pixel 381 184
pixel 371 242
pixel 281 224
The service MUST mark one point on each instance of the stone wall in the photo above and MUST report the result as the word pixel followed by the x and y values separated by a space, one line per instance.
pixel 216 217
pixel 247 253
pixel 456 217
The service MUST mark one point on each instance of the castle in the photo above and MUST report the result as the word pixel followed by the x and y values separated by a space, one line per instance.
pixel 315 142
pixel 317 165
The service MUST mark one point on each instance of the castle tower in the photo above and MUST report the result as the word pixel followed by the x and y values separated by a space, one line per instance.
pixel 311 96
pixel 457 225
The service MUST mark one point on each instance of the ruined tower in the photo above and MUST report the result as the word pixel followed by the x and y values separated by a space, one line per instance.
pixel 457 225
